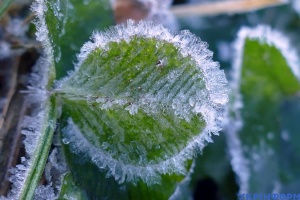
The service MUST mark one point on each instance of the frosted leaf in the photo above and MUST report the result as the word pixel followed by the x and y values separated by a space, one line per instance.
pixel 265 71
pixel 128 102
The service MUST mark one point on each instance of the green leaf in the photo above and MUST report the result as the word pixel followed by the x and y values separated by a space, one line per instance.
pixel 3 6
pixel 70 23
pixel 141 102
pixel 88 179
pixel 69 189
pixel 268 74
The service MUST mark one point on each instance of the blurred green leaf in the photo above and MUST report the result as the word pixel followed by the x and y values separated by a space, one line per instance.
pixel 3 6
pixel 266 80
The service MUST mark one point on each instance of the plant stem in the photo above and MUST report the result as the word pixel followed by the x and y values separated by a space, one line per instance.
pixel 39 158
pixel 224 7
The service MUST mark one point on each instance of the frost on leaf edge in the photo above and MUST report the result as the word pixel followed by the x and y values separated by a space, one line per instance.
pixel 185 41
pixel 215 82
pixel 39 7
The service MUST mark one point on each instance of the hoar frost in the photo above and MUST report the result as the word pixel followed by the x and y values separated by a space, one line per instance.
pixel 142 101
pixel 33 126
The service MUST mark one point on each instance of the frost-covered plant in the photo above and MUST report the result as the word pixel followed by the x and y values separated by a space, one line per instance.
pixel 140 103
pixel 142 100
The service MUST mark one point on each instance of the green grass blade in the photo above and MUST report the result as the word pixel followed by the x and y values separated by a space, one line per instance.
pixel 39 158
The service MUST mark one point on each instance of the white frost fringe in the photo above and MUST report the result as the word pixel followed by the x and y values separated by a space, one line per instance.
pixel 32 125
pixel 265 35
pixel 31 128
pixel 216 85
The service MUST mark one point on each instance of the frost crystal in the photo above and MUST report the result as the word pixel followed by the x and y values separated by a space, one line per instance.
pixel 44 193
pixel 36 96
pixel 31 127
pixel 54 170
pixel 162 94
pixel 42 34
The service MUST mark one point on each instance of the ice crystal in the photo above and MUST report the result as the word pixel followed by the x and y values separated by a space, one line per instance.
pixel 45 193
pixel 53 172
pixel 31 129
pixel 36 96
pixel 40 7
pixel 198 87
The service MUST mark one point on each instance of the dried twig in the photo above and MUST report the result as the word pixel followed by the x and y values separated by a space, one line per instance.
pixel 224 7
